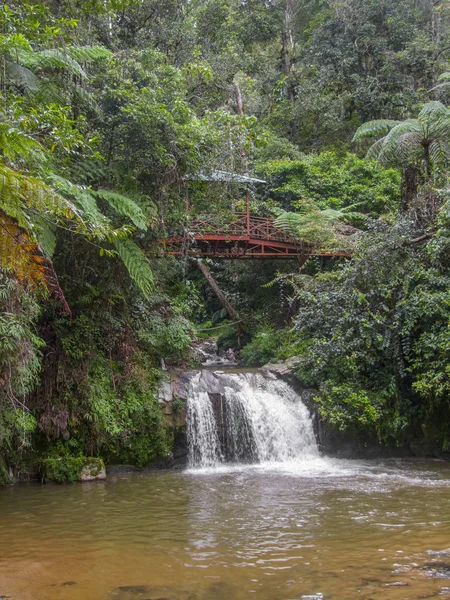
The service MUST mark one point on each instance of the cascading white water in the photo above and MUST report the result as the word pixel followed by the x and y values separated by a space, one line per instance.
pixel 246 417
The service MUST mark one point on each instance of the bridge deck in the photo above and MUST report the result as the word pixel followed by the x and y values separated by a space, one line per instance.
pixel 243 237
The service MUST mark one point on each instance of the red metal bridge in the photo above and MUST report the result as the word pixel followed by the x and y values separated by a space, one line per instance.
pixel 242 236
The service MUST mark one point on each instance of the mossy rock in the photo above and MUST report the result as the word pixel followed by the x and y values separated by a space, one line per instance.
pixel 70 469
pixel 5 478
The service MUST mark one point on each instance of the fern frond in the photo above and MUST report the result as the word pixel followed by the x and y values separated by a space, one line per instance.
pixel 374 128
pixel 434 109
pixel 440 152
pixel 124 206
pixel 87 54
pixel 373 153
pixel 398 142
pixel 439 128
pixel 44 233
pixel 83 96
pixel 89 207
pixel 50 91
pixel 20 254
pixel 137 265
pixel 14 143
pixel 22 197
pixel 21 76
pixel 51 60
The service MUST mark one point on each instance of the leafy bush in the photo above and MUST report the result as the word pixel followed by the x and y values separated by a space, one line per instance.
pixel 69 469
pixel 263 348
pixel 333 180
pixel 345 407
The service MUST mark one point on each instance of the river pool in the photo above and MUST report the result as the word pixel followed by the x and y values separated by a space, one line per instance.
pixel 318 529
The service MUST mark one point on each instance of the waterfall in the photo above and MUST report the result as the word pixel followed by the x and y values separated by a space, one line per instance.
pixel 246 418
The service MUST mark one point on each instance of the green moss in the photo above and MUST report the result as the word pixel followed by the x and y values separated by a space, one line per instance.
pixel 70 469
pixel 5 478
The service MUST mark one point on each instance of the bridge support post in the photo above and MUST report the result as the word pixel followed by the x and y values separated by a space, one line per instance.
pixel 247 211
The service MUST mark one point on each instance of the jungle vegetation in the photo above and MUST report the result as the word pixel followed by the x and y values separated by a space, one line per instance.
pixel 108 108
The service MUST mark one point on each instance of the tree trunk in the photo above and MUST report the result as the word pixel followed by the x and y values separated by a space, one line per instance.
pixel 409 187
pixel 427 159
pixel 238 94
pixel 220 295
pixel 240 110
pixel 287 40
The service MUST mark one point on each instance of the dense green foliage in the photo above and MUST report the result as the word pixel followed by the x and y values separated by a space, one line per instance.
pixel 108 111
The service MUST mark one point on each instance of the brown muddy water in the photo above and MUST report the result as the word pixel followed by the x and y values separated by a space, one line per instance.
pixel 314 529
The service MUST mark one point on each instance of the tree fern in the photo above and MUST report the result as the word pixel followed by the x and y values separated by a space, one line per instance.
pixel 424 139
pixel 50 73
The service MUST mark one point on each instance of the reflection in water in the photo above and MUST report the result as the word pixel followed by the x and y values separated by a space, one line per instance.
pixel 342 529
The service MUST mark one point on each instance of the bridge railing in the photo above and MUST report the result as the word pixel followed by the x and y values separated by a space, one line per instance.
pixel 242 225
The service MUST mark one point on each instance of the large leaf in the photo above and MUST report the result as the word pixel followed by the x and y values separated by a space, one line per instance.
pixel 137 265
pixel 374 128
pixel 123 206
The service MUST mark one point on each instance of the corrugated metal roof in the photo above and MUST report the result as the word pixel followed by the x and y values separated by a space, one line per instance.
pixel 224 176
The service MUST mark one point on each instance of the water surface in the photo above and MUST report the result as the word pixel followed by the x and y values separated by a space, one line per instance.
pixel 320 528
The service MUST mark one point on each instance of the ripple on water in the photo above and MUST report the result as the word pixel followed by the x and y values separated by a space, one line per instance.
pixel 274 531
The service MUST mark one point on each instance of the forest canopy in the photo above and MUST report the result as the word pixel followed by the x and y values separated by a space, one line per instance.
pixel 108 110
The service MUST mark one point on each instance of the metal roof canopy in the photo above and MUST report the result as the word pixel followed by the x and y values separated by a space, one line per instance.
pixel 224 176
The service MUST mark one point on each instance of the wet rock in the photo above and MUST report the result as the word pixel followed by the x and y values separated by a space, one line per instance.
pixel 282 368
pixel 210 356
pixel 396 584
pixel 68 469
pixel 437 570
pixel 134 589
pixel 165 393
pixel 140 592
pixel 220 590
pixel 445 552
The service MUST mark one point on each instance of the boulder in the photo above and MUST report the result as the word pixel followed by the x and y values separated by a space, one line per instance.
pixel 70 469
pixel 282 368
